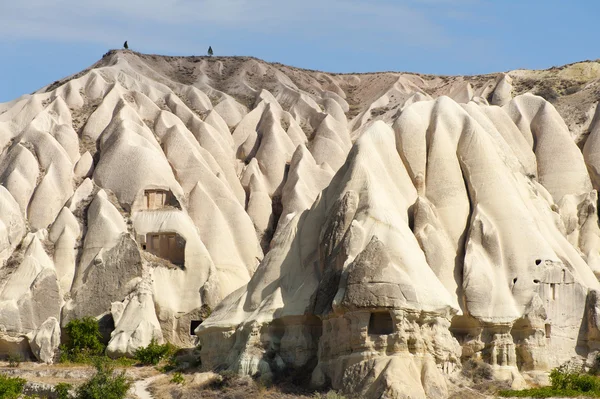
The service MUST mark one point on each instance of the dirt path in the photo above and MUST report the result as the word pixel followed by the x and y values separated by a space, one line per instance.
pixel 140 388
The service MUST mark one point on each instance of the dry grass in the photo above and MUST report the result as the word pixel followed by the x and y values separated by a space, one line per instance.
pixel 44 374
pixel 74 374
pixel 228 386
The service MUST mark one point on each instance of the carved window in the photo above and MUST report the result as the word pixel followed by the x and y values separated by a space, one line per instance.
pixel 381 323
pixel 169 246
pixel 157 199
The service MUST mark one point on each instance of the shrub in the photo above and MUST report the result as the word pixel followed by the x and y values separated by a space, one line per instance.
pixel 62 390
pixel 331 395
pixel 105 384
pixel 181 359
pixel 14 360
pixel 544 392
pixel 11 387
pixel 228 377
pixel 171 364
pixel 86 358
pixel 566 381
pixel 547 92
pixel 177 378
pixel 477 370
pixel 153 353
pixel 83 336
pixel 567 377
pixel 83 344
pixel 206 311
pixel 595 369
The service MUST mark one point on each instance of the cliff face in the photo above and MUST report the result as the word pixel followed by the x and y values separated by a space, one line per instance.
pixel 375 230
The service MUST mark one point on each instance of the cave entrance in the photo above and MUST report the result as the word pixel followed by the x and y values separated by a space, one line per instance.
pixel 193 325
pixel 548 328
pixel 169 246
pixel 381 323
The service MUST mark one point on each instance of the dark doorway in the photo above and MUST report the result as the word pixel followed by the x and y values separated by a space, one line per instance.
pixel 193 325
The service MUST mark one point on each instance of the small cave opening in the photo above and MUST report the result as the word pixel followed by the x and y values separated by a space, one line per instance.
pixel 193 325
pixel 106 325
pixel 381 323
pixel 538 261
pixel 548 328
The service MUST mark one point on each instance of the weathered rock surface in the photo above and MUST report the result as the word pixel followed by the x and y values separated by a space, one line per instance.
pixel 375 230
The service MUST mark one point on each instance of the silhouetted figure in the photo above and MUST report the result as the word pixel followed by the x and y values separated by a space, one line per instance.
pixel 125 45
pixel 210 52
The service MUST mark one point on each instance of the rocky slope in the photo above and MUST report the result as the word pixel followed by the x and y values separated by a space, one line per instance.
pixel 374 230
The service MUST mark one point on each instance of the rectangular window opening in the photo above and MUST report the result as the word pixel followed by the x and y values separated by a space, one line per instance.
pixel 169 246
pixel 381 323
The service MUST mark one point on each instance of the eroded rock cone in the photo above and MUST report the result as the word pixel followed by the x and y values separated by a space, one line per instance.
pixel 374 230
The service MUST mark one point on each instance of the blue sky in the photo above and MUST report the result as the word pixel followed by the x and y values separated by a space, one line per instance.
pixel 42 41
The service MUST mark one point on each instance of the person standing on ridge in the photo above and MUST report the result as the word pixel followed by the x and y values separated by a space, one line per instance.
pixel 210 51
pixel 125 45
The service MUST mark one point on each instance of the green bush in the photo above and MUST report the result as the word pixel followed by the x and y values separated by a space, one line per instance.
pixel 171 364
pixel 83 344
pixel 62 390
pixel 567 377
pixel 11 387
pixel 14 360
pixel 177 378
pixel 86 358
pixel 544 392
pixel 153 353
pixel 83 339
pixel 566 381
pixel 105 384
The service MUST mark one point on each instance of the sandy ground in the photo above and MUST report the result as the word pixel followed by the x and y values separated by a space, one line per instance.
pixel 50 375
pixel 140 388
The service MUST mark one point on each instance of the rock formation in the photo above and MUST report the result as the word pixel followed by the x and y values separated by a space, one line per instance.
pixel 373 230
